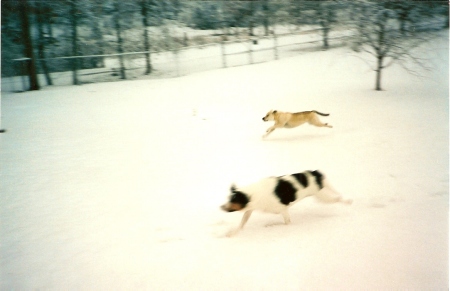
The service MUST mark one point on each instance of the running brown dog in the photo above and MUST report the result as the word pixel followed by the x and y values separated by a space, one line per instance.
pixel 290 120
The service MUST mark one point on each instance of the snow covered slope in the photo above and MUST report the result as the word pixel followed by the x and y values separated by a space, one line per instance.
pixel 117 186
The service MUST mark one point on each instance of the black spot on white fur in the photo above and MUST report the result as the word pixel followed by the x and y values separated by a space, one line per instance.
pixel 319 178
pixel 285 192
pixel 239 197
pixel 301 178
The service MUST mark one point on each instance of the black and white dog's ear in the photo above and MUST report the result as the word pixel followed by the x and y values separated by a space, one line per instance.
pixel 233 188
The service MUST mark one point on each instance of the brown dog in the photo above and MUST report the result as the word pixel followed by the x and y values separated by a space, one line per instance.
pixel 290 120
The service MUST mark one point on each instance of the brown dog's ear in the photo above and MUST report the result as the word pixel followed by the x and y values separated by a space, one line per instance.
pixel 274 111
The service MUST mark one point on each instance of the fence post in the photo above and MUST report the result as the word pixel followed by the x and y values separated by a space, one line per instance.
pixel 25 84
pixel 177 61
pixel 224 55
pixel 1 129
pixel 275 45
pixel 250 52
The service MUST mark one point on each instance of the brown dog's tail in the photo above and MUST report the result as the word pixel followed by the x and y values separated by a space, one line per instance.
pixel 323 114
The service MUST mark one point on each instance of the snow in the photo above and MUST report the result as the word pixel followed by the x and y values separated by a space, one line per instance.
pixel 117 186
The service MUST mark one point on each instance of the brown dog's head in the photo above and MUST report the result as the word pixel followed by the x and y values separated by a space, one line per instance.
pixel 237 201
pixel 270 115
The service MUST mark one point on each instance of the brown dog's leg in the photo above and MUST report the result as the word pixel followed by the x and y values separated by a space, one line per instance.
pixel 272 128
pixel 269 130
pixel 316 122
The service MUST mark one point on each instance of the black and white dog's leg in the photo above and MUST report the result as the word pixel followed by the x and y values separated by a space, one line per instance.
pixel 244 220
pixel 286 216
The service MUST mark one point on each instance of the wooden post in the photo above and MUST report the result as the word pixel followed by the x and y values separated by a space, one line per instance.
pixel 25 82
pixel 1 130
pixel 224 55
pixel 250 52
pixel 177 61
pixel 275 45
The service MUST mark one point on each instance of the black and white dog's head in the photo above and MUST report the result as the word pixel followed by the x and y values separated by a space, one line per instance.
pixel 237 200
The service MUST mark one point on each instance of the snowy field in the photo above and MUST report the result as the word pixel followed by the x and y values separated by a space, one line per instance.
pixel 117 186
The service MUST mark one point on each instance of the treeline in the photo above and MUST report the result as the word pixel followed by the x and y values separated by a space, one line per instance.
pixel 40 30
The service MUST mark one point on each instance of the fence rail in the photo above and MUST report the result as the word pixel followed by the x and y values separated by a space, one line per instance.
pixel 182 61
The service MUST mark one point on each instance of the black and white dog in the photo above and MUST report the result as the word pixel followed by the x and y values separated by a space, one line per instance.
pixel 277 194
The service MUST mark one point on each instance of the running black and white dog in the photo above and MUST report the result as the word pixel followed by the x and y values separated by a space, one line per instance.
pixel 277 194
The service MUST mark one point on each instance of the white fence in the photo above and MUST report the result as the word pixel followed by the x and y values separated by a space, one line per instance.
pixel 186 60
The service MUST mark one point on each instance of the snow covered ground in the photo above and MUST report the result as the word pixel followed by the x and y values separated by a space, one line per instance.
pixel 117 186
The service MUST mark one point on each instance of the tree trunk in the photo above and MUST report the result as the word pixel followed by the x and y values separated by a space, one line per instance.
pixel 41 44
pixel 49 27
pixel 402 26
pixel 119 40
pixel 147 48
pixel 446 21
pixel 378 76
pixel 380 48
pixel 266 17
pixel 251 23
pixel 28 46
pixel 326 16
pixel 74 24
pixel 325 31
pixel 98 62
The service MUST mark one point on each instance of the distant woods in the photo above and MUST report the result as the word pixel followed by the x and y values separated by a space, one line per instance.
pixel 37 31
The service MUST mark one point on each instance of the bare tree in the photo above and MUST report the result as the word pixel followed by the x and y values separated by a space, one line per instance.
pixel 96 22
pixel 326 15
pixel 379 35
